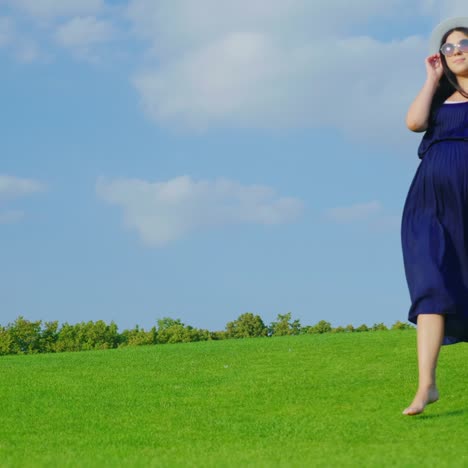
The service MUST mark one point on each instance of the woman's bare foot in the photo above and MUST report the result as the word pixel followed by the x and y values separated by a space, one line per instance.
pixel 424 396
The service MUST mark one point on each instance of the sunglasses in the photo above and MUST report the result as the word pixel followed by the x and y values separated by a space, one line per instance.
pixel 449 49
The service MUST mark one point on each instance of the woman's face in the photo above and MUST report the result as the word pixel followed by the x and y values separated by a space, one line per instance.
pixel 458 62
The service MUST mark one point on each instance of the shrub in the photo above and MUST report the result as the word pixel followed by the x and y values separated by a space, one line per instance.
pixel 247 325
pixel 25 336
pixel 401 326
pixel 87 336
pixel 284 326
pixel 5 342
pixel 174 331
pixel 321 327
pixel 49 337
pixel 138 337
pixel 219 335
pixel 67 339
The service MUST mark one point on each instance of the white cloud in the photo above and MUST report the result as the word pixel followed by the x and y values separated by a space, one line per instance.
pixel 277 64
pixel 79 28
pixel 259 63
pixel 84 36
pixel 249 79
pixel 173 26
pixel 14 187
pixel 82 32
pixel 57 8
pixel 165 211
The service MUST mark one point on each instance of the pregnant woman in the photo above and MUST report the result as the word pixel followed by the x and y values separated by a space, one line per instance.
pixel 434 229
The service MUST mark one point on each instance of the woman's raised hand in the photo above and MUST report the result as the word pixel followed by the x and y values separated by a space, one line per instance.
pixel 417 117
pixel 434 67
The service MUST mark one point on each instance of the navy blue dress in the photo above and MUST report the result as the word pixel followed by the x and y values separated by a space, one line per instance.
pixel 434 226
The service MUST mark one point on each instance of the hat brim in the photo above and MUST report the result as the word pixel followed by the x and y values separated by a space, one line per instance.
pixel 439 31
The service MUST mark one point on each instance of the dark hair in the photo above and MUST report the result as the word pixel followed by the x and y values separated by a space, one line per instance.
pixel 448 84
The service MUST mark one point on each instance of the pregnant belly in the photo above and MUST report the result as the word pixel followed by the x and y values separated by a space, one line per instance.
pixel 440 184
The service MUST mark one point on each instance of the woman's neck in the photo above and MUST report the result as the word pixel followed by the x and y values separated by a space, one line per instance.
pixel 463 83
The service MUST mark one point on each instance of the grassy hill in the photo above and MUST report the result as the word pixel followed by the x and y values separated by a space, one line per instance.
pixel 310 400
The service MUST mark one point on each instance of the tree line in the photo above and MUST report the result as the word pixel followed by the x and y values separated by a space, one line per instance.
pixel 32 337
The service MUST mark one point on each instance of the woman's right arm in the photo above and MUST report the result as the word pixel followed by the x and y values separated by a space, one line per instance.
pixel 417 117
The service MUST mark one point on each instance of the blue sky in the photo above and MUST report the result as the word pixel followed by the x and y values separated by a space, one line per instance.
pixel 199 160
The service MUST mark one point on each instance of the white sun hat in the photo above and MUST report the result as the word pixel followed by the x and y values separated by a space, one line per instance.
pixel 439 31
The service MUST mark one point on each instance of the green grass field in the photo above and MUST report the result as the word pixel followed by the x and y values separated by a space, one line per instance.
pixel 310 400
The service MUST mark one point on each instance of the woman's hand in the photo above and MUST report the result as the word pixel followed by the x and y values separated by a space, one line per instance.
pixel 434 68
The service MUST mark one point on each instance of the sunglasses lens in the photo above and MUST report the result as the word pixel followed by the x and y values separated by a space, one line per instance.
pixel 464 45
pixel 447 49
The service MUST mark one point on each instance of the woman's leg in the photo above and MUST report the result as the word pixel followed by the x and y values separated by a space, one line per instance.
pixel 430 333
